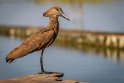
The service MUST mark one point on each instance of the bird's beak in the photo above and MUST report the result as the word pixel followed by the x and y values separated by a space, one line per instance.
pixel 64 16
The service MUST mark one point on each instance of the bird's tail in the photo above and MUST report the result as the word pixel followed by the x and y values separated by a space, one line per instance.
pixel 12 55
pixel 18 52
pixel 8 60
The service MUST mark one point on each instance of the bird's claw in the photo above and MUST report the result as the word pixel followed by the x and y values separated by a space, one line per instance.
pixel 45 72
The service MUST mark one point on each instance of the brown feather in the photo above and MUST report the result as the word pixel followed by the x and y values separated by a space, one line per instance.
pixel 34 43
pixel 39 40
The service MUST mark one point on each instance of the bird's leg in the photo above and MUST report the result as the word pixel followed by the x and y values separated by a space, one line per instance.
pixel 41 64
pixel 42 68
pixel 41 61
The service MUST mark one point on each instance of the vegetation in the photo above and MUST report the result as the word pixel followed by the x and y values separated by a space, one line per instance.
pixel 73 1
pixel 100 39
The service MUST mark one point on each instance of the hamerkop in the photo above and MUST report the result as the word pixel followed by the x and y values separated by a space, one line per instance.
pixel 41 39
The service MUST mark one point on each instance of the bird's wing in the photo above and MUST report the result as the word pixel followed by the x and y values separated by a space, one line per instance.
pixel 33 43
pixel 34 35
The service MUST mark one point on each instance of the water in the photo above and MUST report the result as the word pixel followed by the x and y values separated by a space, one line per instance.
pixel 94 17
pixel 75 64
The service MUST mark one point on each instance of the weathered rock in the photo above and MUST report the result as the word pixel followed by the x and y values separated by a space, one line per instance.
pixel 70 81
pixel 39 78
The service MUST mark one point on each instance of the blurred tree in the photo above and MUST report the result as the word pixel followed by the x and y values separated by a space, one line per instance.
pixel 73 1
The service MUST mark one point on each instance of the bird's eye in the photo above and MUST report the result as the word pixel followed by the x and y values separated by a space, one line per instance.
pixel 57 9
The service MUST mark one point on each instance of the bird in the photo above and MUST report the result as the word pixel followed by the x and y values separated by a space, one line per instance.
pixel 41 39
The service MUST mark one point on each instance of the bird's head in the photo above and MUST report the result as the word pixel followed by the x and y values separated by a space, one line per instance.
pixel 55 12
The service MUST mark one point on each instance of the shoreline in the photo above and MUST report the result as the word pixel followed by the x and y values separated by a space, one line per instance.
pixel 75 37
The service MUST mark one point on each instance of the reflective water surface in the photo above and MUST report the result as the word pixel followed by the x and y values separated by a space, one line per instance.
pixel 75 64
pixel 92 65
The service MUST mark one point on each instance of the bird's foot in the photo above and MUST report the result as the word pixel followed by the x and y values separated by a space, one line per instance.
pixel 45 72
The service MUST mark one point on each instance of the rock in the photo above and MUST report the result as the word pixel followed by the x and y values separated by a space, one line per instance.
pixel 70 81
pixel 39 78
